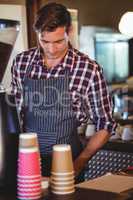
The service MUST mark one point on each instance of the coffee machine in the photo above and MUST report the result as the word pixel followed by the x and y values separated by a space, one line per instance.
pixel 9 122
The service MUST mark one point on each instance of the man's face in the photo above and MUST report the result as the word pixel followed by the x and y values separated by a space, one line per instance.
pixel 55 43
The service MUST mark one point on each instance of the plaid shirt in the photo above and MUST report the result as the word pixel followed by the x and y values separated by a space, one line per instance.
pixel 87 85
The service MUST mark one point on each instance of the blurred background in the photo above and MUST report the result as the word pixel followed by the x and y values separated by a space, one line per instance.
pixel 96 32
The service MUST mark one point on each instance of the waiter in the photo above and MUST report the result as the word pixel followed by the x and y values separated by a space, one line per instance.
pixel 57 88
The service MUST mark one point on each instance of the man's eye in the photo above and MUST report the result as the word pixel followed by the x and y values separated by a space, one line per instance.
pixel 44 41
pixel 59 42
pixel 56 42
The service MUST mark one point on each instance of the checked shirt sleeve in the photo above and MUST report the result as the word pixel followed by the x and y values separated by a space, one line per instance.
pixel 100 103
pixel 16 89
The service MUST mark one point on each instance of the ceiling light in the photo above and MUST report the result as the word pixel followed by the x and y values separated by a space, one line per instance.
pixel 126 24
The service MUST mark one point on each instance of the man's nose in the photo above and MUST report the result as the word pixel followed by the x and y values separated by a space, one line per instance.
pixel 52 47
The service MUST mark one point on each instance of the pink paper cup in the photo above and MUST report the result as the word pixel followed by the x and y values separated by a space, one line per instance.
pixel 29 162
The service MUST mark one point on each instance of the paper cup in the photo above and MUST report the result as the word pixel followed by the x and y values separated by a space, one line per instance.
pixel 29 170
pixel 63 190
pixel 27 140
pixel 59 178
pixel 62 183
pixel 62 173
pixel 62 159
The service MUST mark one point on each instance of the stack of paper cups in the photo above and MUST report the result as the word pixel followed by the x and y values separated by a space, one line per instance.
pixel 62 173
pixel 29 171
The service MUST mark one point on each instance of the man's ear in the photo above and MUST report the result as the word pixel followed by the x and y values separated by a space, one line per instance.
pixel 73 36
pixel 70 30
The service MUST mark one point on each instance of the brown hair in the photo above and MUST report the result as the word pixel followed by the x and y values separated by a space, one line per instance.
pixel 51 16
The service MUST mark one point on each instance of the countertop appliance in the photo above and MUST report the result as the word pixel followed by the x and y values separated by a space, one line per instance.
pixel 9 123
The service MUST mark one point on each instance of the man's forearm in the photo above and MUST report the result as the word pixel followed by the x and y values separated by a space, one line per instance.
pixel 93 145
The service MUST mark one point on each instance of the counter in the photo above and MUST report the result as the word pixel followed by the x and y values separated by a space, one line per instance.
pixel 119 145
pixel 80 194
pixel 114 156
pixel 114 145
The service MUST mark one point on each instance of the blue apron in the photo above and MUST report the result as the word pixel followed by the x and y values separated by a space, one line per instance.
pixel 49 113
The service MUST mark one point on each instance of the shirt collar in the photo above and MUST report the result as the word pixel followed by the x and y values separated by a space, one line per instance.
pixel 66 62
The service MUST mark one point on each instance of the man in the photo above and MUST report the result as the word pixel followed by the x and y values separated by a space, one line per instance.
pixel 57 88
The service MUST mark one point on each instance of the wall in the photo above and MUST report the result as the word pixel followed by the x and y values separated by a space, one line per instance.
pixel 17 2
pixel 98 12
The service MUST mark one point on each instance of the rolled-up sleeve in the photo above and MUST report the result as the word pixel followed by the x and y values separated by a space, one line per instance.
pixel 100 103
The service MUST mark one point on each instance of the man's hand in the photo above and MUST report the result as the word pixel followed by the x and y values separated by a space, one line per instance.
pixel 94 144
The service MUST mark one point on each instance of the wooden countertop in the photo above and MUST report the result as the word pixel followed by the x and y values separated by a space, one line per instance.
pixel 80 194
